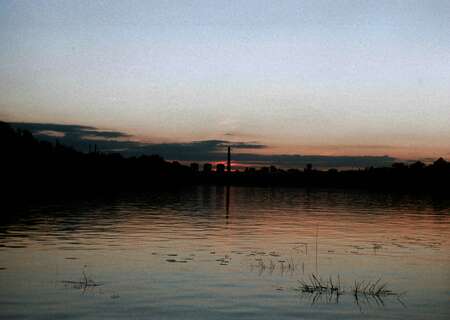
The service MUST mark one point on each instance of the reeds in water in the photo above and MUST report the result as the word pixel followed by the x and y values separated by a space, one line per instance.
pixel 269 266
pixel 317 284
pixel 368 288
pixel 84 283
pixel 329 288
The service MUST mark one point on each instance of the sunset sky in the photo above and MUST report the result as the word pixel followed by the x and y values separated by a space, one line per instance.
pixel 285 77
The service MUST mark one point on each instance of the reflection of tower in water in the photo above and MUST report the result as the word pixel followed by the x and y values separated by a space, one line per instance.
pixel 227 202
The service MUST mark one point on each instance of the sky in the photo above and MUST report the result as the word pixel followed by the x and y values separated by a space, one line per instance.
pixel 310 78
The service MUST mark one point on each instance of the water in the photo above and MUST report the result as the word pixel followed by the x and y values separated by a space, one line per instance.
pixel 203 253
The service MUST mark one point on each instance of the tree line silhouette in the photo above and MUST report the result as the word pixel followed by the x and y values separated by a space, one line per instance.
pixel 36 168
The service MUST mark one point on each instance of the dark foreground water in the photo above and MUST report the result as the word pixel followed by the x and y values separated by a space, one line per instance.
pixel 203 254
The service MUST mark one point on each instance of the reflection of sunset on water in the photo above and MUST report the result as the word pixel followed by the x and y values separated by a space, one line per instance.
pixel 181 237
pixel 220 160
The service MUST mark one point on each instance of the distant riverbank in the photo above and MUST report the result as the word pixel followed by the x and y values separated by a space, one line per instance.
pixel 34 168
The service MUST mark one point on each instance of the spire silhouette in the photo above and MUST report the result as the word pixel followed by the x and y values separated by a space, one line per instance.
pixel 229 160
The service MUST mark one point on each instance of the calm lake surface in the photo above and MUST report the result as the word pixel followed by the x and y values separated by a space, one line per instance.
pixel 205 253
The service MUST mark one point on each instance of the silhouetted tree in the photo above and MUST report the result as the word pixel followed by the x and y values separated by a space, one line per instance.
pixel 31 167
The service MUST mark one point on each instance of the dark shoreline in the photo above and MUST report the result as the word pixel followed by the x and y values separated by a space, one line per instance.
pixel 34 169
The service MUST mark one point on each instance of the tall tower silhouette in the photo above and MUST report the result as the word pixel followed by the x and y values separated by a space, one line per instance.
pixel 229 160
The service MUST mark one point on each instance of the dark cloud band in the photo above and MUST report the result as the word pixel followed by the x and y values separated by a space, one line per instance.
pixel 80 137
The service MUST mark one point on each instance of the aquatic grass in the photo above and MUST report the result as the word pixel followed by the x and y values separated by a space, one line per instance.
pixel 291 264
pixel 368 288
pixel 321 289
pixel 331 289
pixel 84 283
pixel 366 291
pixel 270 266
pixel 316 284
